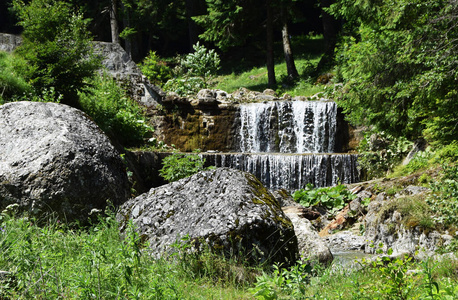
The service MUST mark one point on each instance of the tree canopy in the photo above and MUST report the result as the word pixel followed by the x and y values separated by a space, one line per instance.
pixel 399 68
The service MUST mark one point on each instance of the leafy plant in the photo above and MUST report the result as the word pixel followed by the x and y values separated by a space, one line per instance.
pixel 56 46
pixel 198 67
pixel 444 199
pixel 380 152
pixel 155 69
pixel 120 117
pixel 282 281
pixel 179 165
pixel 331 198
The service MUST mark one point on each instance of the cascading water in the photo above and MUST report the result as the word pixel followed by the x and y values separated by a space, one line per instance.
pixel 288 127
pixel 287 144
pixel 290 171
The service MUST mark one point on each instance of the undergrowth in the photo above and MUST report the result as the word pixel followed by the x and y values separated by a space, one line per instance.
pixel 57 261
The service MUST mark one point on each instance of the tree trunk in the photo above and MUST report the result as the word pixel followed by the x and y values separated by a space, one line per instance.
pixel 270 46
pixel 330 29
pixel 289 59
pixel 192 26
pixel 114 22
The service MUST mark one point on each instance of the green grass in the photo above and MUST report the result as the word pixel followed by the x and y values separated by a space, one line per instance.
pixel 12 85
pixel 307 51
pixel 55 261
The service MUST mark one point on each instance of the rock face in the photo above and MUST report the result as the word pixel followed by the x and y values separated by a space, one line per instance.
pixel 309 242
pixel 8 42
pixel 228 209
pixel 54 159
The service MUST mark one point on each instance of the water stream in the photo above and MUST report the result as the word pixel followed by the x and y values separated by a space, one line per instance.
pixel 287 144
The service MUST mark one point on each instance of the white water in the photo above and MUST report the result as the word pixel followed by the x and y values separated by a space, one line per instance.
pixel 288 127
pixel 290 171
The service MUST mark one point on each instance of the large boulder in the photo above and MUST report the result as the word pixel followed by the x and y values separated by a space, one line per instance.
pixel 53 158
pixel 229 210
pixel 310 244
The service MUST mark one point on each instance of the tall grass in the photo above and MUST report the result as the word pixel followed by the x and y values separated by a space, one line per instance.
pixel 59 262
pixel 12 85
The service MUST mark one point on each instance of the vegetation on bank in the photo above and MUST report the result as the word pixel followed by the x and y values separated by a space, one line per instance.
pixel 395 73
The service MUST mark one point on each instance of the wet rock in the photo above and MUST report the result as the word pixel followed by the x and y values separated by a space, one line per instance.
pixel 227 209
pixel 54 159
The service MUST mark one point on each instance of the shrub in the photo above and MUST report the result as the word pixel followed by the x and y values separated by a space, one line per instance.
pixel 180 165
pixel 444 199
pixel 198 69
pixel 117 115
pixel 56 46
pixel 380 152
pixel 155 69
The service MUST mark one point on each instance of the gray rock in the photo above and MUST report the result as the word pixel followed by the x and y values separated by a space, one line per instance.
pixel 54 159
pixel 345 241
pixel 9 42
pixel 228 209
pixel 309 242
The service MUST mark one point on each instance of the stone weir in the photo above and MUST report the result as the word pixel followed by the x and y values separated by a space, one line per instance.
pixel 216 120
pixel 290 171
pixel 274 170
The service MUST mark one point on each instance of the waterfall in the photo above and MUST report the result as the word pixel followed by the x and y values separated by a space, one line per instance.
pixel 287 127
pixel 290 171
pixel 287 144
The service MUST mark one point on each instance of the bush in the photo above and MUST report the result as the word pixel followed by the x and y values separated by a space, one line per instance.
pixel 198 69
pixel 380 152
pixel 444 199
pixel 117 115
pixel 56 46
pixel 155 69
pixel 179 165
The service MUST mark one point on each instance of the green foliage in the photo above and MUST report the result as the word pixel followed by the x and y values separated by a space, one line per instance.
pixel 43 261
pixel 155 69
pixel 202 62
pixel 380 152
pixel 12 84
pixel 281 281
pixel 179 165
pixel 56 47
pixel 398 66
pixel 420 162
pixel 197 69
pixel 332 198
pixel 117 115
pixel 444 200
pixel 223 23
pixel 185 86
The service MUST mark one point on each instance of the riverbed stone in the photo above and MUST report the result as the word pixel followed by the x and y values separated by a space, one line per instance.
pixel 54 159
pixel 227 209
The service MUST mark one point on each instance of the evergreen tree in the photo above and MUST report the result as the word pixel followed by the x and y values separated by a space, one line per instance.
pixel 56 46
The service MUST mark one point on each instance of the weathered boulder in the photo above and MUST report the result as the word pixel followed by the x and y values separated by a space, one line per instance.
pixel 228 209
pixel 54 159
pixel 309 242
